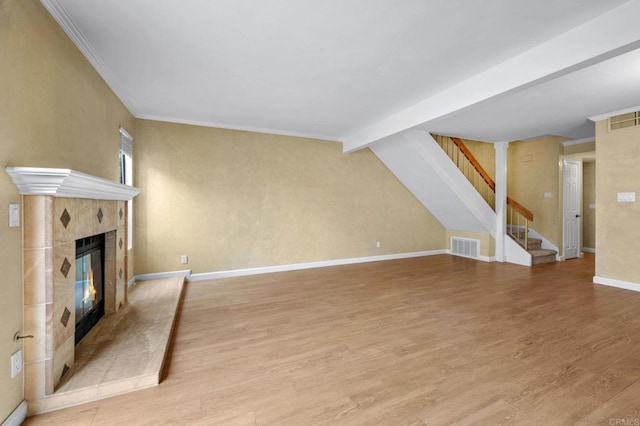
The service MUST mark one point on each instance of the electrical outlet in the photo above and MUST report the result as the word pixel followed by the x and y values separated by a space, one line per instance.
pixel 184 259
pixel 377 244
pixel 16 363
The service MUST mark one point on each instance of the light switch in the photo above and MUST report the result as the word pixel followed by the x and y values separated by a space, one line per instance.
pixel 547 195
pixel 626 197
pixel 14 215
pixel 592 206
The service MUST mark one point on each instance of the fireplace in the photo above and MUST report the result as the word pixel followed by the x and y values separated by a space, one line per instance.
pixel 89 284
pixel 60 207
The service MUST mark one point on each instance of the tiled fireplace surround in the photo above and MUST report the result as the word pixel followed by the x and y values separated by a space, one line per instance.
pixel 54 217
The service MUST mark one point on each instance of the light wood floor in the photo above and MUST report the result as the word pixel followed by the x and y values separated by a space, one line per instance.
pixel 435 340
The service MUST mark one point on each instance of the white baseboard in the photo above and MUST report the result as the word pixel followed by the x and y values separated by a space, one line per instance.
pixel 482 258
pixel 616 283
pixel 588 250
pixel 308 265
pixel 160 275
pixel 17 416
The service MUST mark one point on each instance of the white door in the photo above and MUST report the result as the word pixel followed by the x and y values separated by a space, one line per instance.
pixel 572 201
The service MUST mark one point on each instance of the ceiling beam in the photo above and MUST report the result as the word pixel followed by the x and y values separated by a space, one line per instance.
pixel 607 36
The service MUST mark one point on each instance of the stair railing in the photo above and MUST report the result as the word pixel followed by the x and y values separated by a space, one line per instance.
pixel 518 216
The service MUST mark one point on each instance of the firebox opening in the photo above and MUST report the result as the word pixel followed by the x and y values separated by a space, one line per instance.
pixel 89 291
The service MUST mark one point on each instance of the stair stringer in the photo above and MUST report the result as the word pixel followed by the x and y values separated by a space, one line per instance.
pixel 417 160
pixel 515 253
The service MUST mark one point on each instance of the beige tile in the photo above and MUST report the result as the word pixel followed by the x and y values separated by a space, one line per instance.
pixel 62 284
pixel 60 233
pixel 62 333
pixel 64 355
pixel 37 276
pixel 34 380
pixel 122 219
pixel 110 217
pixel 127 385
pixel 64 399
pixel 37 221
pixel 87 220
pixel 35 325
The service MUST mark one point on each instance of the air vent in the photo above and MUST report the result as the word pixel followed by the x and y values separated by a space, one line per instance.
pixel 465 247
pixel 631 119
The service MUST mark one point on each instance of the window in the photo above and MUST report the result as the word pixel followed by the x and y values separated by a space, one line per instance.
pixel 126 177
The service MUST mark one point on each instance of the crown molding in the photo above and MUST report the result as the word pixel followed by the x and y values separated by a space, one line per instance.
pixel 266 130
pixel 68 183
pixel 59 13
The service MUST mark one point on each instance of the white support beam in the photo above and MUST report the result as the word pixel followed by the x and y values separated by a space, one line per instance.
pixel 501 200
pixel 609 35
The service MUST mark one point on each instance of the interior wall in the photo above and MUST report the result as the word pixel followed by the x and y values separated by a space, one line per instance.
pixel 233 199
pixel 485 153
pixel 589 205
pixel 487 242
pixel 56 111
pixel 617 233
pixel 532 170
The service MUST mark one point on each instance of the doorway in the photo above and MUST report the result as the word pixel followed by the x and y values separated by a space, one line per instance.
pixel 572 203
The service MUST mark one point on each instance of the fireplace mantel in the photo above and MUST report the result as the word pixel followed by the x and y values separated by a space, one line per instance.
pixel 68 183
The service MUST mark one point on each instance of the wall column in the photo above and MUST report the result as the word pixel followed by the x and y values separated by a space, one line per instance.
pixel 501 199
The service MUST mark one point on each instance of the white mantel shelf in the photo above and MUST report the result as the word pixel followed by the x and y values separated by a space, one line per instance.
pixel 68 183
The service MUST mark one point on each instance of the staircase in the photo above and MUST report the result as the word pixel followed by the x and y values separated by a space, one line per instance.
pixel 518 216
pixel 532 245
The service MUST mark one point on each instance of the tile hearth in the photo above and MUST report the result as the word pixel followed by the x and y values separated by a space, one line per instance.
pixel 123 352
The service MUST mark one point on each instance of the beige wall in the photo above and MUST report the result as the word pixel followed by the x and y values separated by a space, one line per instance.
pixel 617 231
pixel 588 198
pixel 233 199
pixel 485 153
pixel 579 148
pixel 533 170
pixel 55 112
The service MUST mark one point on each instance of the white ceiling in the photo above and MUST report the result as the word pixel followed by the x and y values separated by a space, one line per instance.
pixel 359 70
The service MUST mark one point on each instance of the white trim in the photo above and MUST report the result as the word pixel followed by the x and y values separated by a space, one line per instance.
pixel 308 265
pixel 616 283
pixel 578 141
pixel 17 416
pixel 59 13
pixel 160 275
pixel 487 259
pixel 132 281
pixel 266 130
pixel 614 113
pixel 125 133
pixel 68 183
pixel 588 250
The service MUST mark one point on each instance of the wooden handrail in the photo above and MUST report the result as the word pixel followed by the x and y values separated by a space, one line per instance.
pixel 528 214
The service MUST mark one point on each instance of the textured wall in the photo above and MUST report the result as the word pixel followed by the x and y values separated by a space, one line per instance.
pixel 588 197
pixel 56 111
pixel 533 170
pixel 232 199
pixel 617 231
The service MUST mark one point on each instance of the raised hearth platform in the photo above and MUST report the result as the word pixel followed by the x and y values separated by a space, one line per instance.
pixel 124 352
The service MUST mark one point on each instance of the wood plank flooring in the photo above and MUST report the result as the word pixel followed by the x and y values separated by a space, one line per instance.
pixel 426 341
